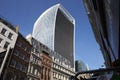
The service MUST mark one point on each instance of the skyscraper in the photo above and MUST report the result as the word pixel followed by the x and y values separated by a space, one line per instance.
pixel 55 29
pixel 80 66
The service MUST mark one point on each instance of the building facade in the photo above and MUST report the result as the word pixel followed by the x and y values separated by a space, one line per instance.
pixel 34 70
pixel 104 18
pixel 18 60
pixel 46 66
pixel 55 29
pixel 8 37
pixel 61 67
pixel 44 69
pixel 80 66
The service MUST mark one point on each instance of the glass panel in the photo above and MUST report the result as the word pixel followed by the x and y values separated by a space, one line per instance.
pixel 13 62
pixel 19 66
pixel 26 59
pixel 24 46
pixel 21 55
pixel 16 52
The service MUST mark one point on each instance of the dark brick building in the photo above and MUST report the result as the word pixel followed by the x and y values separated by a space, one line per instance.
pixel 18 61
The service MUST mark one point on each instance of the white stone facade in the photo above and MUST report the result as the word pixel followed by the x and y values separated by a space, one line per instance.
pixel 8 37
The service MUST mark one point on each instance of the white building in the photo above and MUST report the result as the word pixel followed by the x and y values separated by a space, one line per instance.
pixel 8 37
pixel 61 67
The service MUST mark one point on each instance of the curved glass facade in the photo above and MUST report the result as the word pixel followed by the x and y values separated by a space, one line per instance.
pixel 80 66
pixel 55 29
pixel 44 27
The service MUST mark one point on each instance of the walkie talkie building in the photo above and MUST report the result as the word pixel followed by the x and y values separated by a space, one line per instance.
pixel 55 29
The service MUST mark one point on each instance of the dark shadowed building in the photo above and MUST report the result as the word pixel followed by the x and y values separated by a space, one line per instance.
pixel 104 16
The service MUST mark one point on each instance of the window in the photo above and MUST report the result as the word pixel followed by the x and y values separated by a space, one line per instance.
pixel 19 66
pixel 38 74
pixel 18 43
pixel 13 62
pixel 49 74
pixel 31 70
pixel 53 74
pixel 28 50
pixel 0 41
pixel 24 68
pixel 10 35
pixel 35 72
pixel 24 46
pixel 3 31
pixel 26 59
pixel 39 62
pixel 43 72
pixel 16 52
pixel 6 45
pixel 21 55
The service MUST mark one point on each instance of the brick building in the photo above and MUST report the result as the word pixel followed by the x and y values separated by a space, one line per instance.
pixel 18 60
pixel 46 66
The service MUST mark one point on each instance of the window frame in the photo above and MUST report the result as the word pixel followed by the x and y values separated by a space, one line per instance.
pixel 21 55
pixel 13 63
pixel 1 41
pixel 3 31
pixel 6 45
pixel 16 52
pixel 18 66
pixel 10 35
pixel 24 68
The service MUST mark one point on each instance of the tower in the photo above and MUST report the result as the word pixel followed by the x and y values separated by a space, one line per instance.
pixel 55 29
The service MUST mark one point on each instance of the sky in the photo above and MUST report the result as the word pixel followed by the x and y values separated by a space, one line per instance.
pixel 24 13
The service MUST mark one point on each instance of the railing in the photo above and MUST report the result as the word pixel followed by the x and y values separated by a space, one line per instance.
pixel 115 69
